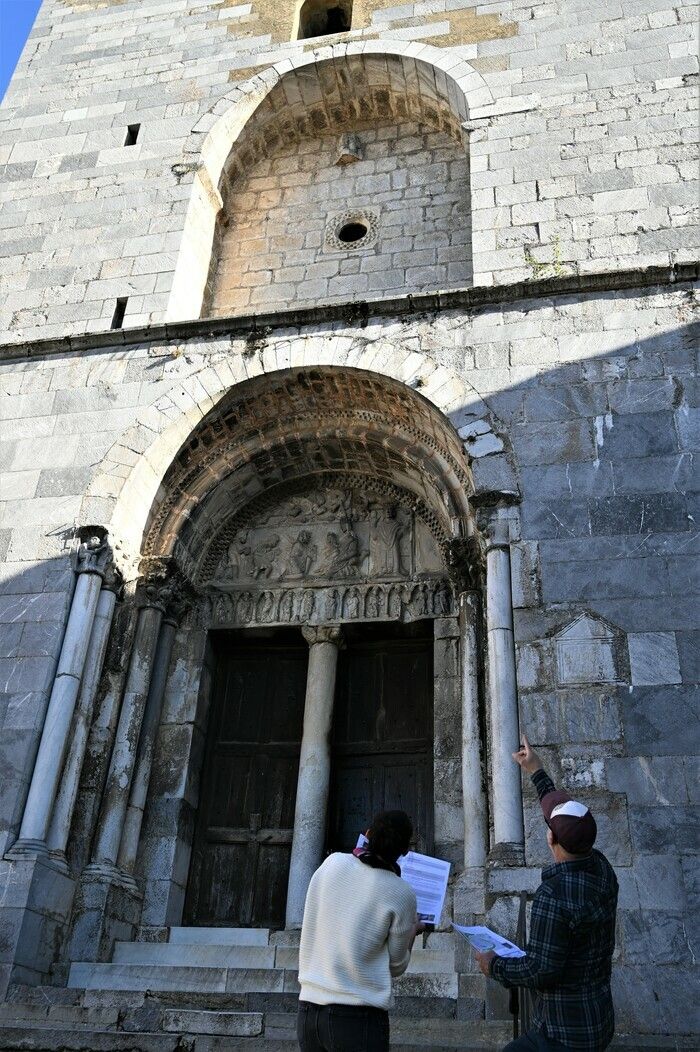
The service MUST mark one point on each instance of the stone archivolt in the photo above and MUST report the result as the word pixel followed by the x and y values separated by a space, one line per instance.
pixel 296 426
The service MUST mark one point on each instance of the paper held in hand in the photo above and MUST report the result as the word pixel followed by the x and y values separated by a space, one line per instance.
pixel 483 940
pixel 428 877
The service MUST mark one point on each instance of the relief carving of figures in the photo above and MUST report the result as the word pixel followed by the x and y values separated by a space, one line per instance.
pixel 302 554
pixel 386 533
pixel 244 608
pixel 264 556
pixel 330 611
pixel 286 607
pixel 238 557
pixel 442 600
pixel 394 602
pixel 372 603
pixel 351 604
pixel 308 605
pixel 266 607
pixel 341 557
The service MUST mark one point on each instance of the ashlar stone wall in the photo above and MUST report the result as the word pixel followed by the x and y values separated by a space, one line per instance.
pixel 278 242
pixel 582 121
pixel 588 404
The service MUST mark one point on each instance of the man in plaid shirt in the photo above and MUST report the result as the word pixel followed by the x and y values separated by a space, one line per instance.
pixel 572 931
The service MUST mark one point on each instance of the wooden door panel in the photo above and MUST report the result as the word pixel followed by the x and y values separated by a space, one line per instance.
pixel 240 858
pixel 382 739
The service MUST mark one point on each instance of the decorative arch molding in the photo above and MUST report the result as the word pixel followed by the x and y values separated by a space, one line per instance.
pixel 128 482
pixel 441 81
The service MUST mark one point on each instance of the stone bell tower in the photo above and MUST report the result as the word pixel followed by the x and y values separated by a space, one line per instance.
pixel 349 430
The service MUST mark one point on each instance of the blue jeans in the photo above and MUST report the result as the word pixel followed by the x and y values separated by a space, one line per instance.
pixel 534 1042
pixel 342 1028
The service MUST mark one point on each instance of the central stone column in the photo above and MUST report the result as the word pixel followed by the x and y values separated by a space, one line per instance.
pixel 314 768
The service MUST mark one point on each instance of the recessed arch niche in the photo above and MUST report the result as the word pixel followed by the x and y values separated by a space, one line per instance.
pixel 362 134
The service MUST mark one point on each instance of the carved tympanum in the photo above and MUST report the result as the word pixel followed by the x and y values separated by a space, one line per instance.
pixel 330 556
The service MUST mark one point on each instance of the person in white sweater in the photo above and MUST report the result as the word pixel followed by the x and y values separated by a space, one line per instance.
pixel 359 925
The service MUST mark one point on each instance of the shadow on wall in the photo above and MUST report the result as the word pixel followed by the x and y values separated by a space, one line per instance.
pixel 607 453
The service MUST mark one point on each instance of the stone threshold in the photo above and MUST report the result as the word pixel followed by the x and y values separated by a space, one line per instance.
pixel 358 312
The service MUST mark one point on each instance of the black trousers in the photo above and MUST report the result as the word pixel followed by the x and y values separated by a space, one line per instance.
pixel 342 1028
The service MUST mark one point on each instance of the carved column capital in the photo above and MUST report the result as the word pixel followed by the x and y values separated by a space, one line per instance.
pixel 465 563
pixel 94 554
pixel 322 634
pixel 494 522
pixel 164 587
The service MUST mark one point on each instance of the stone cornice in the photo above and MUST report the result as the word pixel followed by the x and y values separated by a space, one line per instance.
pixel 357 312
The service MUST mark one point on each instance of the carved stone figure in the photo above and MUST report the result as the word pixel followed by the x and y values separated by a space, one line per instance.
pixel 264 556
pixel 394 602
pixel 386 532
pixel 371 604
pixel 244 609
pixel 266 607
pixel 238 557
pixel 308 605
pixel 286 607
pixel 302 554
pixel 94 555
pixel 330 611
pixel 442 600
pixel 352 604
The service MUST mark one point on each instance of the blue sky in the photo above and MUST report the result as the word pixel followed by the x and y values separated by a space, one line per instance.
pixel 16 20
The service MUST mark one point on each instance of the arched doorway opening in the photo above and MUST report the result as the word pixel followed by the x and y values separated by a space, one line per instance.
pixel 314 508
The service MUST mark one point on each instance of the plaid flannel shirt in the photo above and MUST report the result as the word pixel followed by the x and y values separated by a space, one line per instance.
pixel 569 952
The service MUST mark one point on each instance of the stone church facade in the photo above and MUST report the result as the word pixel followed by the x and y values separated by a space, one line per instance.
pixel 349 428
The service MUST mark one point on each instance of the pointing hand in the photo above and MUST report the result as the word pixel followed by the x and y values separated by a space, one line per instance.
pixel 527 757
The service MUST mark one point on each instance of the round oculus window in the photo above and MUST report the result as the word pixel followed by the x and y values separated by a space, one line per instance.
pixel 350 233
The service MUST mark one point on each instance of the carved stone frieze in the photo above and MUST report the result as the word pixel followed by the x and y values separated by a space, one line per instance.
pixel 410 600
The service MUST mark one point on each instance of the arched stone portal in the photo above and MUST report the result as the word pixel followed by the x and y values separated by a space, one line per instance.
pixel 306 648
pixel 333 502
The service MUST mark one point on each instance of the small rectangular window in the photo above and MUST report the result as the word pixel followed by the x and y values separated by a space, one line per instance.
pixel 119 312
pixel 132 134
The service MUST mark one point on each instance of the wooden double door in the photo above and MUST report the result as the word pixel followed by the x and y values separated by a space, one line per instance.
pixel 381 749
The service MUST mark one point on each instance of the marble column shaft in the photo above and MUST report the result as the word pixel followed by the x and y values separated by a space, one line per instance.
pixel 59 715
pixel 314 769
pixel 94 661
pixel 121 768
pixel 505 730
pixel 149 731
pixel 474 801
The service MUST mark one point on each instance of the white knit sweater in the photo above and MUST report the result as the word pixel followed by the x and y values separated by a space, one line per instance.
pixel 357 930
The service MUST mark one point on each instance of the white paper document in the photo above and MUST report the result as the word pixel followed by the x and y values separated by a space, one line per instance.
pixel 483 940
pixel 428 877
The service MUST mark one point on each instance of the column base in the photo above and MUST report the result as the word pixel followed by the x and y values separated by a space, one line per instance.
pixel 36 897
pixel 107 908
pixel 506 855
pixel 107 873
pixel 24 849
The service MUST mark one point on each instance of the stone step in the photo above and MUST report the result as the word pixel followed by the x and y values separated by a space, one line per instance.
pixel 219 936
pixel 183 978
pixel 201 977
pixel 195 955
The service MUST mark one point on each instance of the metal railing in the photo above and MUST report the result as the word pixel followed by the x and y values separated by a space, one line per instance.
pixel 521 1003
